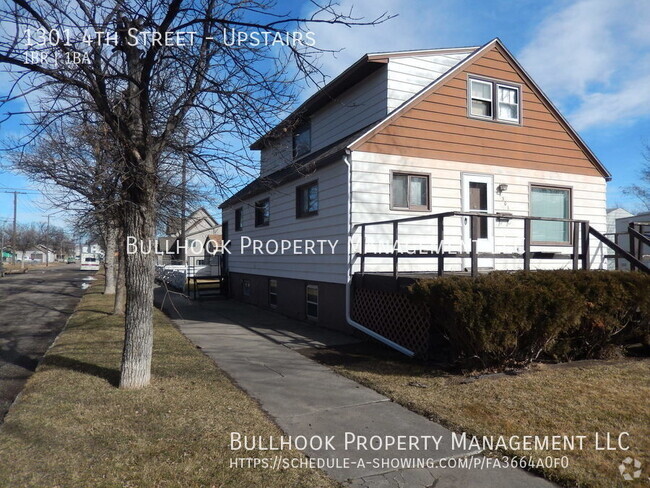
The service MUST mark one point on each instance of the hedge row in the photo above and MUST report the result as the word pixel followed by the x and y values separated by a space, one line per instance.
pixel 500 318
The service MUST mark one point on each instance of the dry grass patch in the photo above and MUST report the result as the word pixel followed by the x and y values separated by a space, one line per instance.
pixel 580 399
pixel 72 427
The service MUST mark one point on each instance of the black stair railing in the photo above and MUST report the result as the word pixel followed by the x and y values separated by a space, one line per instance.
pixel 580 231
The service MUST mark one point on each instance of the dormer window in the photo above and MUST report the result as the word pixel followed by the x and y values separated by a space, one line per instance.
pixel 302 140
pixel 493 100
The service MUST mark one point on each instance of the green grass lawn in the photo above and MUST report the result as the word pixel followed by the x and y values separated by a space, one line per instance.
pixel 72 427
pixel 584 398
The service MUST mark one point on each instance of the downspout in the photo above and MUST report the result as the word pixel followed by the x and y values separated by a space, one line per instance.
pixel 348 283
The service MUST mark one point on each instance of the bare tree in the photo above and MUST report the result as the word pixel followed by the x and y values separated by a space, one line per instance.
pixel 150 69
pixel 27 237
pixel 641 190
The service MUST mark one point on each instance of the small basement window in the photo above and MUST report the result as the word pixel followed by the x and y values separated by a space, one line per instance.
pixel 302 140
pixel 494 100
pixel 312 302
pixel 246 287
pixel 273 293
pixel 262 212
pixel 552 202
pixel 307 200
pixel 238 219
pixel 409 192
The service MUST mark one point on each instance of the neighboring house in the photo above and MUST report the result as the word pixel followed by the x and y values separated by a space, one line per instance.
pixel 612 215
pixel 198 226
pixel 642 221
pixel 38 254
pixel 407 134
pixel 212 249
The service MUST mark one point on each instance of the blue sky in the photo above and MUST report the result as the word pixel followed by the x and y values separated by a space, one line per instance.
pixel 591 57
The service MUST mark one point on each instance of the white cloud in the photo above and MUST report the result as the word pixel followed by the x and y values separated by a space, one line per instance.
pixel 414 23
pixel 629 102
pixel 594 52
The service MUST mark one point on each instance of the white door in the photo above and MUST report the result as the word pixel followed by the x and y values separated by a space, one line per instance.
pixel 478 196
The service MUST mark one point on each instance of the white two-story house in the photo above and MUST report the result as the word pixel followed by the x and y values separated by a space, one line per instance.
pixel 413 134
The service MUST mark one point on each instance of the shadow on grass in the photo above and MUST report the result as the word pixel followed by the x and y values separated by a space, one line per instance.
pixel 109 374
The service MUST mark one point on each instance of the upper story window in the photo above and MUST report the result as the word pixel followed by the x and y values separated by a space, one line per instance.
pixel 302 140
pixel 409 191
pixel 262 212
pixel 494 100
pixel 551 202
pixel 307 200
pixel 238 219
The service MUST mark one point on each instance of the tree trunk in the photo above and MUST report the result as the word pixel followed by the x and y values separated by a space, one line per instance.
pixel 139 223
pixel 119 306
pixel 110 240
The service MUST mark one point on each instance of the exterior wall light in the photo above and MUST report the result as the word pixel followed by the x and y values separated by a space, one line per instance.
pixel 501 188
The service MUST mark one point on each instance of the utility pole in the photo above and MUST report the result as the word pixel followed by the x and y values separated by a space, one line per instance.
pixel 47 241
pixel 183 255
pixel 13 234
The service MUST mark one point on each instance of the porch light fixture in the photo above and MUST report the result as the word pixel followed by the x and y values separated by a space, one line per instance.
pixel 501 188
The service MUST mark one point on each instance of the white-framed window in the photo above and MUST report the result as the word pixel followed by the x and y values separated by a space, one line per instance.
pixel 481 97
pixel 312 302
pixel 507 103
pixel 409 191
pixel 273 293
pixel 494 100
pixel 552 202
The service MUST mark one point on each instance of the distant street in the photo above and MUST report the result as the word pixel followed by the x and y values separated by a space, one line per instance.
pixel 33 309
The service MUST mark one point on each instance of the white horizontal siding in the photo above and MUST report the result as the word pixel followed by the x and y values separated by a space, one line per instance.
pixel 329 224
pixel 371 202
pixel 410 74
pixel 355 109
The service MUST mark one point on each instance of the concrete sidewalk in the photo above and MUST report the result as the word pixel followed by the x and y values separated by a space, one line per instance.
pixel 256 348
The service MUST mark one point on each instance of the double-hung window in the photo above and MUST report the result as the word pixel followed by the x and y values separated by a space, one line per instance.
pixel 493 100
pixel 551 202
pixel 409 191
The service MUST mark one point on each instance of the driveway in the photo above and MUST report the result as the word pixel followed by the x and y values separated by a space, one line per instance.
pixel 33 310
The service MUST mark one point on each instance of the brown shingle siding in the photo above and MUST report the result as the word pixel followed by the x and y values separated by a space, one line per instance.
pixel 439 127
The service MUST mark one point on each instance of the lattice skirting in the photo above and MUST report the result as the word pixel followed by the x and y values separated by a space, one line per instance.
pixel 393 316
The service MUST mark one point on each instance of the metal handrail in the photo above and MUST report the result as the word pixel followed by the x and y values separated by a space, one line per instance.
pixel 468 214
pixel 580 229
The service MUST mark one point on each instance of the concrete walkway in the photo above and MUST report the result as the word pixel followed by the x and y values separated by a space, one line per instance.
pixel 257 349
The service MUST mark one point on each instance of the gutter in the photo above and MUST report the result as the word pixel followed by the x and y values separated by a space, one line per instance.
pixel 348 283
